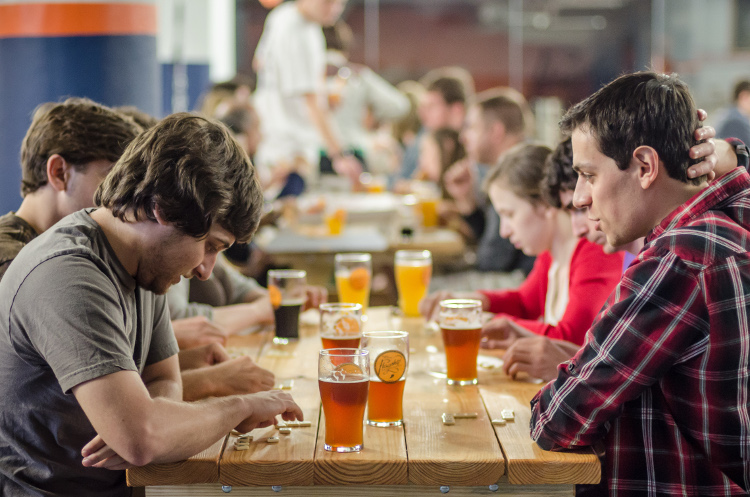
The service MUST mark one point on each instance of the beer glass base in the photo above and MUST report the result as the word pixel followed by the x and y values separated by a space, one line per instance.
pixel 385 423
pixel 331 448
pixel 461 382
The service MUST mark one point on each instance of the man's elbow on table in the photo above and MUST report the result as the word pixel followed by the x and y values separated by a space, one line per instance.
pixel 123 413
pixel 552 431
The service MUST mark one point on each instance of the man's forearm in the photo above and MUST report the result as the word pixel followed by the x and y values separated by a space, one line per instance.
pixel 165 388
pixel 197 385
pixel 322 122
pixel 237 317
pixel 184 429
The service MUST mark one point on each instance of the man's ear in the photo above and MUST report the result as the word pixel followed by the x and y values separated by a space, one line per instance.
pixel 646 159
pixel 58 172
pixel 159 216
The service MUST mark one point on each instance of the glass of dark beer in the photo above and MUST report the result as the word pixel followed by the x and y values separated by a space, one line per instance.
pixel 287 291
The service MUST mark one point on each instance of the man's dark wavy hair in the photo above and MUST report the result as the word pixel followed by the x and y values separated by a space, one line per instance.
pixel 559 175
pixel 194 171
pixel 643 108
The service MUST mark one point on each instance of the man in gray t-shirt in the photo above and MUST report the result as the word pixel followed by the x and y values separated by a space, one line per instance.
pixel 88 371
pixel 79 315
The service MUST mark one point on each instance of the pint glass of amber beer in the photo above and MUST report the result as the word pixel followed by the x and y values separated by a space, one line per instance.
pixel 343 378
pixel 461 327
pixel 353 275
pixel 340 325
pixel 413 272
pixel 287 289
pixel 389 353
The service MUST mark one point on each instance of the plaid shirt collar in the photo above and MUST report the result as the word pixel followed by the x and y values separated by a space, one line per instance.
pixel 727 187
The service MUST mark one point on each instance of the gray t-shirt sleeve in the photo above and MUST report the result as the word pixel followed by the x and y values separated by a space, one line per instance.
pixel 72 315
pixel 236 285
pixel 179 304
pixel 163 341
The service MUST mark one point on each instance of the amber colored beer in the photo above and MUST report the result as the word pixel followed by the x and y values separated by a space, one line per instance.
pixel 336 342
pixel 385 403
pixel 461 350
pixel 344 408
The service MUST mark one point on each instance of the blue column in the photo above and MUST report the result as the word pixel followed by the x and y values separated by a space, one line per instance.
pixel 50 51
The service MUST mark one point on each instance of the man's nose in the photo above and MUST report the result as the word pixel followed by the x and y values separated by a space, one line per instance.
pixel 581 195
pixel 203 271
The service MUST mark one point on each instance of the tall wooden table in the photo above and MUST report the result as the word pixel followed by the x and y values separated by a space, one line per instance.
pixel 423 457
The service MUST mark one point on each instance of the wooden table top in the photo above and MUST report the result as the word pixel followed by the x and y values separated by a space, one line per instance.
pixel 422 453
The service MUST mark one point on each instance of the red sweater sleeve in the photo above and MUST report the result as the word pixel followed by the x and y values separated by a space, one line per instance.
pixel 593 276
pixel 527 301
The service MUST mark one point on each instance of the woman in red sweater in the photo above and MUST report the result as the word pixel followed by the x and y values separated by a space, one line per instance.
pixel 571 277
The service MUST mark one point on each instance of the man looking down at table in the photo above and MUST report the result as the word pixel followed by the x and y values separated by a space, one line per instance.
pixel 82 312
pixel 663 376
pixel 66 153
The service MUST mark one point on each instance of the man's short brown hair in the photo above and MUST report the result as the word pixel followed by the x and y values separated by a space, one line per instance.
pixel 192 169
pixel 740 87
pixel 505 107
pixel 79 130
pixel 451 89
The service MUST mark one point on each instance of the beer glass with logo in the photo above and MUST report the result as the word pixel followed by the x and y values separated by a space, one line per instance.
pixel 461 327
pixel 287 291
pixel 389 354
pixel 353 276
pixel 340 325
pixel 343 379
pixel 413 272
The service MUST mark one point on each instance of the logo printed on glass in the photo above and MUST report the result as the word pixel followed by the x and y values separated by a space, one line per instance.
pixel 390 366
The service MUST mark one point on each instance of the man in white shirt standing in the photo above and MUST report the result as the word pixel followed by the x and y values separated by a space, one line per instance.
pixel 291 96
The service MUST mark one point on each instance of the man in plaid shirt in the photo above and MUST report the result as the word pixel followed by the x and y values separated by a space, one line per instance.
pixel 663 378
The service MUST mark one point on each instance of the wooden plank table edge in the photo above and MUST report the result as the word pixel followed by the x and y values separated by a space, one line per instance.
pixel 579 466
pixel 178 473
pixel 503 488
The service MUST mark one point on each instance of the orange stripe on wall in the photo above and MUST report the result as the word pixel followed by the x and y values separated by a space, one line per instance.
pixel 76 19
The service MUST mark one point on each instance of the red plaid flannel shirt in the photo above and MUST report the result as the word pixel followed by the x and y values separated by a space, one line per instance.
pixel 664 376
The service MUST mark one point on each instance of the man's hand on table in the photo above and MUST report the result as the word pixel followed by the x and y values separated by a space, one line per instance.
pixel 196 331
pixel 200 357
pixel 500 333
pixel 429 307
pixel 228 377
pixel 537 356
pixel 264 408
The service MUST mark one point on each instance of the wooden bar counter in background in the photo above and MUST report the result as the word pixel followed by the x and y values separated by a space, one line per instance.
pixel 423 457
